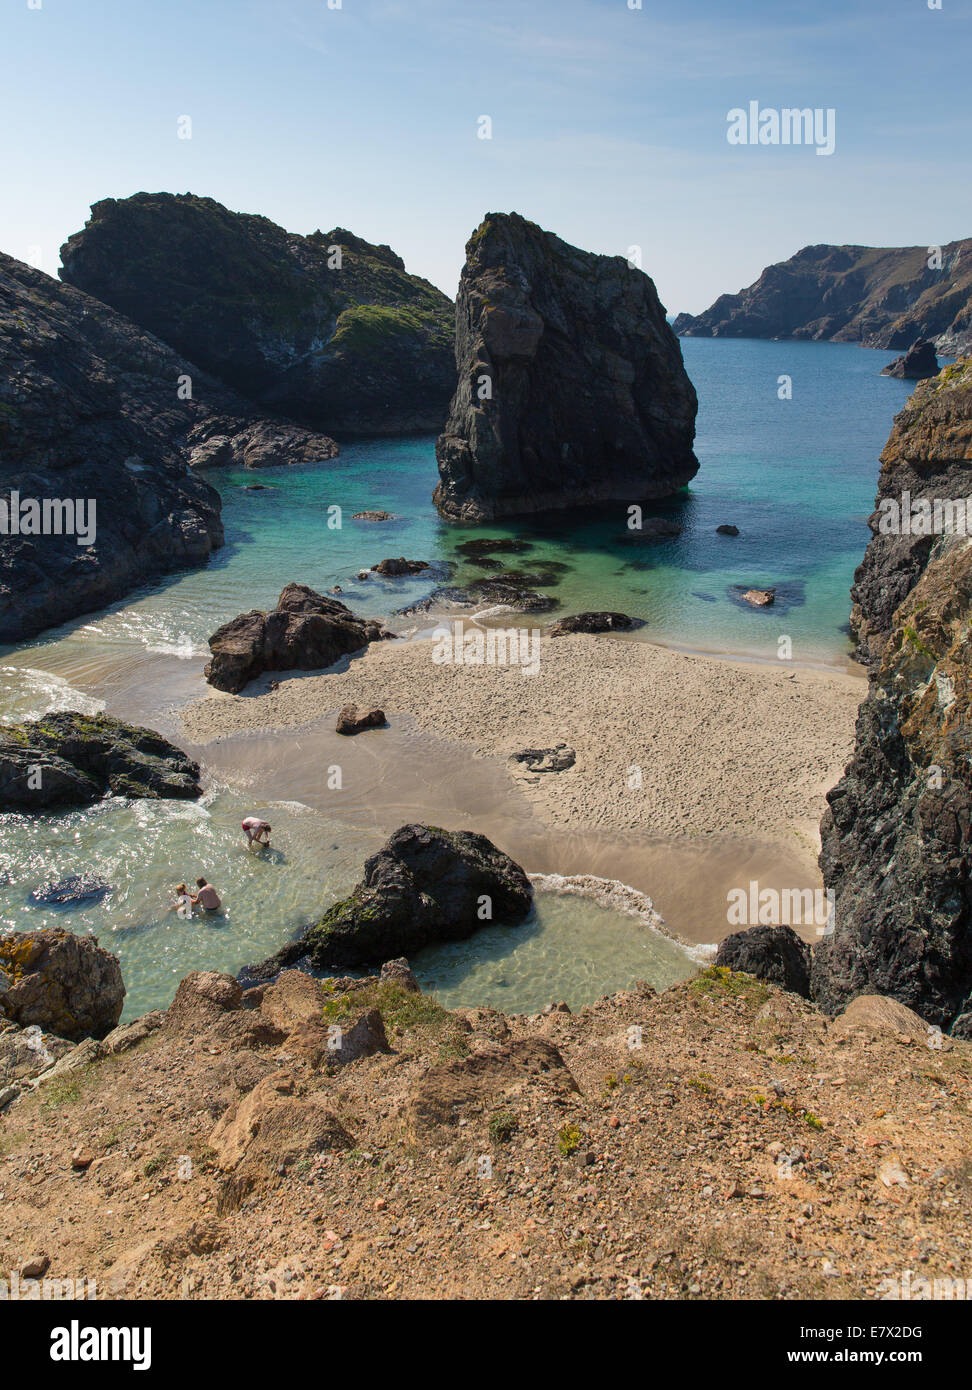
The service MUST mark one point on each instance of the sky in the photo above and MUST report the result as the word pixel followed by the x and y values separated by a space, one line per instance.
pixel 608 123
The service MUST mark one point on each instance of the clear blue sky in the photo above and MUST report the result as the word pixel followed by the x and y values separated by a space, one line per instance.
pixel 609 124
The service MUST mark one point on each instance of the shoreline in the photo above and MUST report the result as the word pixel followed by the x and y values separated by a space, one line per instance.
pixel 734 759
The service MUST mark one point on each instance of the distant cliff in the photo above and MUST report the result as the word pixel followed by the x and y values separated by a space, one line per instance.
pixel 897 837
pixel 341 340
pixel 91 411
pixel 852 294
pixel 571 384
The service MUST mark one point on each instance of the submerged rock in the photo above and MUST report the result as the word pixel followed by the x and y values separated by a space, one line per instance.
pixel 775 954
pixel 306 632
pixel 897 835
pixel 760 598
pixel 68 758
pixel 373 516
pixel 571 383
pixel 727 529
pixel 77 890
pixel 65 984
pixel 502 546
pixel 593 622
pixel 652 528
pixel 509 594
pixel 425 885
pixel 916 364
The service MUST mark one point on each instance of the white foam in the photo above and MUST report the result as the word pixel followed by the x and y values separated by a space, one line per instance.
pixel 621 897
pixel 51 692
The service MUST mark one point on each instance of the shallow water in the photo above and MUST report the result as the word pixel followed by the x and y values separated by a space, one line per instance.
pixel 570 948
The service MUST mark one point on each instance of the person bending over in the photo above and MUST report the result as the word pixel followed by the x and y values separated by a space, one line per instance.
pixel 257 832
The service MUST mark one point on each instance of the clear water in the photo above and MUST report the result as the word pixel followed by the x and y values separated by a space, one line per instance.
pixel 569 948
pixel 797 477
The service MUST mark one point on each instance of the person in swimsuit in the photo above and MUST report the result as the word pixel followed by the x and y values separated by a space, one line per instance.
pixel 206 897
pixel 257 832
pixel 184 901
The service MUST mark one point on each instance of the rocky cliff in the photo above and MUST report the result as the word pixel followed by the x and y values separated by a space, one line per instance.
pixel 326 329
pixel 91 413
pixel 571 384
pixel 881 298
pixel 896 836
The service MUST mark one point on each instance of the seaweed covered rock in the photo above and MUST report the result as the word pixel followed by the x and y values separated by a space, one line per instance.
pixel 326 329
pixel 897 834
pixel 425 885
pixel 65 984
pixel 305 632
pixel 571 384
pixel 593 622
pixel 68 758
pixel 775 954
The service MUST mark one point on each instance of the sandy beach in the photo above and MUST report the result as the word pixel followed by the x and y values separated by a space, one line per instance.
pixel 669 746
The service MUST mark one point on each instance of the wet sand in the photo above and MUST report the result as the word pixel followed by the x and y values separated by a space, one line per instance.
pixel 734 760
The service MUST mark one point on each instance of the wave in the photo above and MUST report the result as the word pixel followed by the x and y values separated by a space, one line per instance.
pixel 46 692
pixel 621 897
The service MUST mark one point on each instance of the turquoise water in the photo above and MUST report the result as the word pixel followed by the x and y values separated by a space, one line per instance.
pixel 796 476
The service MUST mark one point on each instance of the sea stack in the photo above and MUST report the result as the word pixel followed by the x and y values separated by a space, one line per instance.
pixel 571 384
pixel 897 837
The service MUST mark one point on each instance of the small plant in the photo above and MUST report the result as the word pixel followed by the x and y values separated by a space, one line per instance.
pixel 155 1165
pixel 812 1120
pixel 568 1140
pixel 503 1126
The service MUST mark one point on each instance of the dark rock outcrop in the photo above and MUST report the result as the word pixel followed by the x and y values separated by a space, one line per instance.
pixel 593 622
pixel 94 418
pixel 396 568
pixel 571 383
pixel 926 457
pixel 65 984
pixel 351 720
pixel 881 298
pixel 425 885
pixel 305 632
pixel 759 598
pixel 326 329
pixel 916 364
pixel 74 759
pixel 897 835
pixel 775 954
pixel 727 529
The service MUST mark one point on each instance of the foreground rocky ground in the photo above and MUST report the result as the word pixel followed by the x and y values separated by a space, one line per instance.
pixel 721 1140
